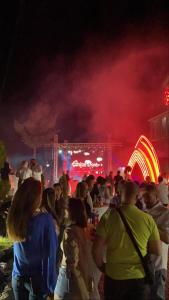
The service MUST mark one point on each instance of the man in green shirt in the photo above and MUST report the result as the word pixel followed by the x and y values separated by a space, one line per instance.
pixel 124 273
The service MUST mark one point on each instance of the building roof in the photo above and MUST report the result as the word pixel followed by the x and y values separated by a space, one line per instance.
pixel 160 116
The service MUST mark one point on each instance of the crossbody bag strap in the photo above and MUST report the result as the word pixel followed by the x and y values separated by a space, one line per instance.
pixel 130 233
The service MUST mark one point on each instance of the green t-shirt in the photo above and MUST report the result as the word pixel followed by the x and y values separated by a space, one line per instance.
pixel 122 260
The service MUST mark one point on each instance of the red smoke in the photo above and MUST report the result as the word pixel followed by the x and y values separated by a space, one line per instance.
pixel 122 93
pixel 109 91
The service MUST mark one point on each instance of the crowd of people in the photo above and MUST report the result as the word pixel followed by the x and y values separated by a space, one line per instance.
pixel 61 245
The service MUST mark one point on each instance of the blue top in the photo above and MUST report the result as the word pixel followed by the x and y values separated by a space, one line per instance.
pixel 37 255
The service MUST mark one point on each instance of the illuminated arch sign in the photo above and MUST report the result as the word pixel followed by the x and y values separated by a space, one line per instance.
pixel 145 156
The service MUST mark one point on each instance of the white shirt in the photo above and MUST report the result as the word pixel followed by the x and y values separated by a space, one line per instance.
pixel 162 188
pixel 161 216
pixel 24 173
pixel 37 172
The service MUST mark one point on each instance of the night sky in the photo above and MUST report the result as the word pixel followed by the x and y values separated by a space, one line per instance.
pixel 89 69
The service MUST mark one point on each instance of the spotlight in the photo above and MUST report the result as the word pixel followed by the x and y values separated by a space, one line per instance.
pixel 86 153
pixel 99 159
pixel 60 151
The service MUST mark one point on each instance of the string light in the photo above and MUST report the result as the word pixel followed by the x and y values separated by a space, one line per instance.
pixel 155 163
pixel 148 164
pixel 166 96
pixel 146 157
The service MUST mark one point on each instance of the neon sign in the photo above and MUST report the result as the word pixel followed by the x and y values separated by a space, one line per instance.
pixel 146 157
pixel 85 164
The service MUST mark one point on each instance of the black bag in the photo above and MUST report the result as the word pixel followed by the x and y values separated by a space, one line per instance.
pixel 146 260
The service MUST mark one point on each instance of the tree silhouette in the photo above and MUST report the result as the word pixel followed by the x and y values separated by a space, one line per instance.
pixel 2 154
pixel 39 127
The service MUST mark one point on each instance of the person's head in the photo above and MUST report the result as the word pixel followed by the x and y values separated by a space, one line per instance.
pixel 24 164
pixel 58 190
pixel 142 189
pixel 143 185
pixel 64 185
pixel 77 212
pixel 148 179
pixel 160 179
pixel 26 201
pixel 48 201
pixel 90 181
pixel 81 190
pixel 118 172
pixel 33 162
pixel 101 180
pixel 150 196
pixel 129 192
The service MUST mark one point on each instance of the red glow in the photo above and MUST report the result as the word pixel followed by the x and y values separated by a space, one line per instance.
pixel 166 96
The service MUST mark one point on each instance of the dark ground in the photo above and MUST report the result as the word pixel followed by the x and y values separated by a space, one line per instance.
pixel 8 295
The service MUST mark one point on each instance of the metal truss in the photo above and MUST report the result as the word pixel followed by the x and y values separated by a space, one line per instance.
pixel 84 146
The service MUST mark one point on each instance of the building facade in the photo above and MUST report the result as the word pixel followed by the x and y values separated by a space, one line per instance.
pixel 159 135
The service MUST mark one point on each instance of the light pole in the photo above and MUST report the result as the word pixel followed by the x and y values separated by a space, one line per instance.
pixel 166 101
pixel 55 158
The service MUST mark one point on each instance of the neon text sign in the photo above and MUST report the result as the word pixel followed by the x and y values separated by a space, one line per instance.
pixel 85 164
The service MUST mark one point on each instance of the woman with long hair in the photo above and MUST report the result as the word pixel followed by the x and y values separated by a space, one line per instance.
pixel 35 244
pixel 48 205
pixel 60 203
pixel 75 261
pixel 82 193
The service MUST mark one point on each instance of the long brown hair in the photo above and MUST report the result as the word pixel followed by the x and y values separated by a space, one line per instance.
pixel 80 190
pixel 24 204
pixel 77 212
pixel 48 202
